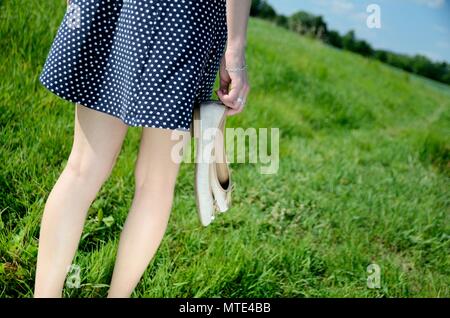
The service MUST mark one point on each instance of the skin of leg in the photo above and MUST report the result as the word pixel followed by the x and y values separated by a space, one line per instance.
pixel 97 142
pixel 155 177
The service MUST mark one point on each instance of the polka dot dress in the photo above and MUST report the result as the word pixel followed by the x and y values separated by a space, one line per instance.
pixel 147 62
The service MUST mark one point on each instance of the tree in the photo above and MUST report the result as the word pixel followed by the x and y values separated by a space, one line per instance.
pixel 380 55
pixel 320 28
pixel 400 61
pixel 423 66
pixel 363 48
pixel 446 77
pixel 307 24
pixel 334 38
pixel 282 21
pixel 254 9
pixel 348 41
pixel 262 9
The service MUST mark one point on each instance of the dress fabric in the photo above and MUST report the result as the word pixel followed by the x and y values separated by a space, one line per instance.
pixel 147 62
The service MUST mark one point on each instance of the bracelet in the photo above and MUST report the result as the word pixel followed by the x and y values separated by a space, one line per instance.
pixel 236 69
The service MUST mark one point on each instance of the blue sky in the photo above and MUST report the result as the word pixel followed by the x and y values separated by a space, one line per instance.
pixel 407 26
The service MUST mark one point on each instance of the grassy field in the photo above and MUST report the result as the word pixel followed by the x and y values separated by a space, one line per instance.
pixel 364 178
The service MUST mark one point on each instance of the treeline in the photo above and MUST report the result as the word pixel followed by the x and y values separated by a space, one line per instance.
pixel 314 26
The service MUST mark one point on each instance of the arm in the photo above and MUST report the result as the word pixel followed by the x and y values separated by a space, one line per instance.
pixel 234 85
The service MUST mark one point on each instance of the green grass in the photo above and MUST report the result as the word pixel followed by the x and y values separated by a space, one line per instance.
pixel 363 178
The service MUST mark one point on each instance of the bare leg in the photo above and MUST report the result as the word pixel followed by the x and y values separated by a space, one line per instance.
pixel 97 141
pixel 146 223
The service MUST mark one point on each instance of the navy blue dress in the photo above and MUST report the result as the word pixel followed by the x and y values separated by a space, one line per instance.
pixel 147 62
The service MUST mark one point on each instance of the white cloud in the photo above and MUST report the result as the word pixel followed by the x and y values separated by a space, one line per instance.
pixel 342 6
pixel 337 6
pixel 435 4
pixel 443 44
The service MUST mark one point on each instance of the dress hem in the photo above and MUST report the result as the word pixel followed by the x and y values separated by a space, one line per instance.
pixel 122 118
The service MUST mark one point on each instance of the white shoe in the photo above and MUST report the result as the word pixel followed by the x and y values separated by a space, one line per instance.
pixel 207 120
pixel 220 173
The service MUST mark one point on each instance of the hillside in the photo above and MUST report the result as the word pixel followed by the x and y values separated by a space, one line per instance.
pixel 363 178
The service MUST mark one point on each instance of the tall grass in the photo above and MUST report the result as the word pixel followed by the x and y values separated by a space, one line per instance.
pixel 363 178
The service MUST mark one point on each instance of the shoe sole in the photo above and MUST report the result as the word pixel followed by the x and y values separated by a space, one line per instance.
pixel 211 115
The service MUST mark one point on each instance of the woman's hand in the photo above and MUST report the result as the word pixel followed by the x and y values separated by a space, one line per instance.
pixel 234 86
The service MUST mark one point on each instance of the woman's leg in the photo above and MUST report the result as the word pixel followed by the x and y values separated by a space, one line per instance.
pixel 155 177
pixel 97 141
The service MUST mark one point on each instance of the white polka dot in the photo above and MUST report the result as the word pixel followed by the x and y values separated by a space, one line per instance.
pixel 147 62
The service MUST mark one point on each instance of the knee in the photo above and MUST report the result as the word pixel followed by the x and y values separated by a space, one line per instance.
pixel 89 168
pixel 156 189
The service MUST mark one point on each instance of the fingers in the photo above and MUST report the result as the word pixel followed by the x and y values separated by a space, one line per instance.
pixel 240 101
pixel 229 97
pixel 224 84
pixel 224 77
pixel 233 89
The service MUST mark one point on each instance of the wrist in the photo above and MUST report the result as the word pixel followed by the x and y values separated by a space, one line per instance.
pixel 235 62
pixel 236 48
pixel 235 58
